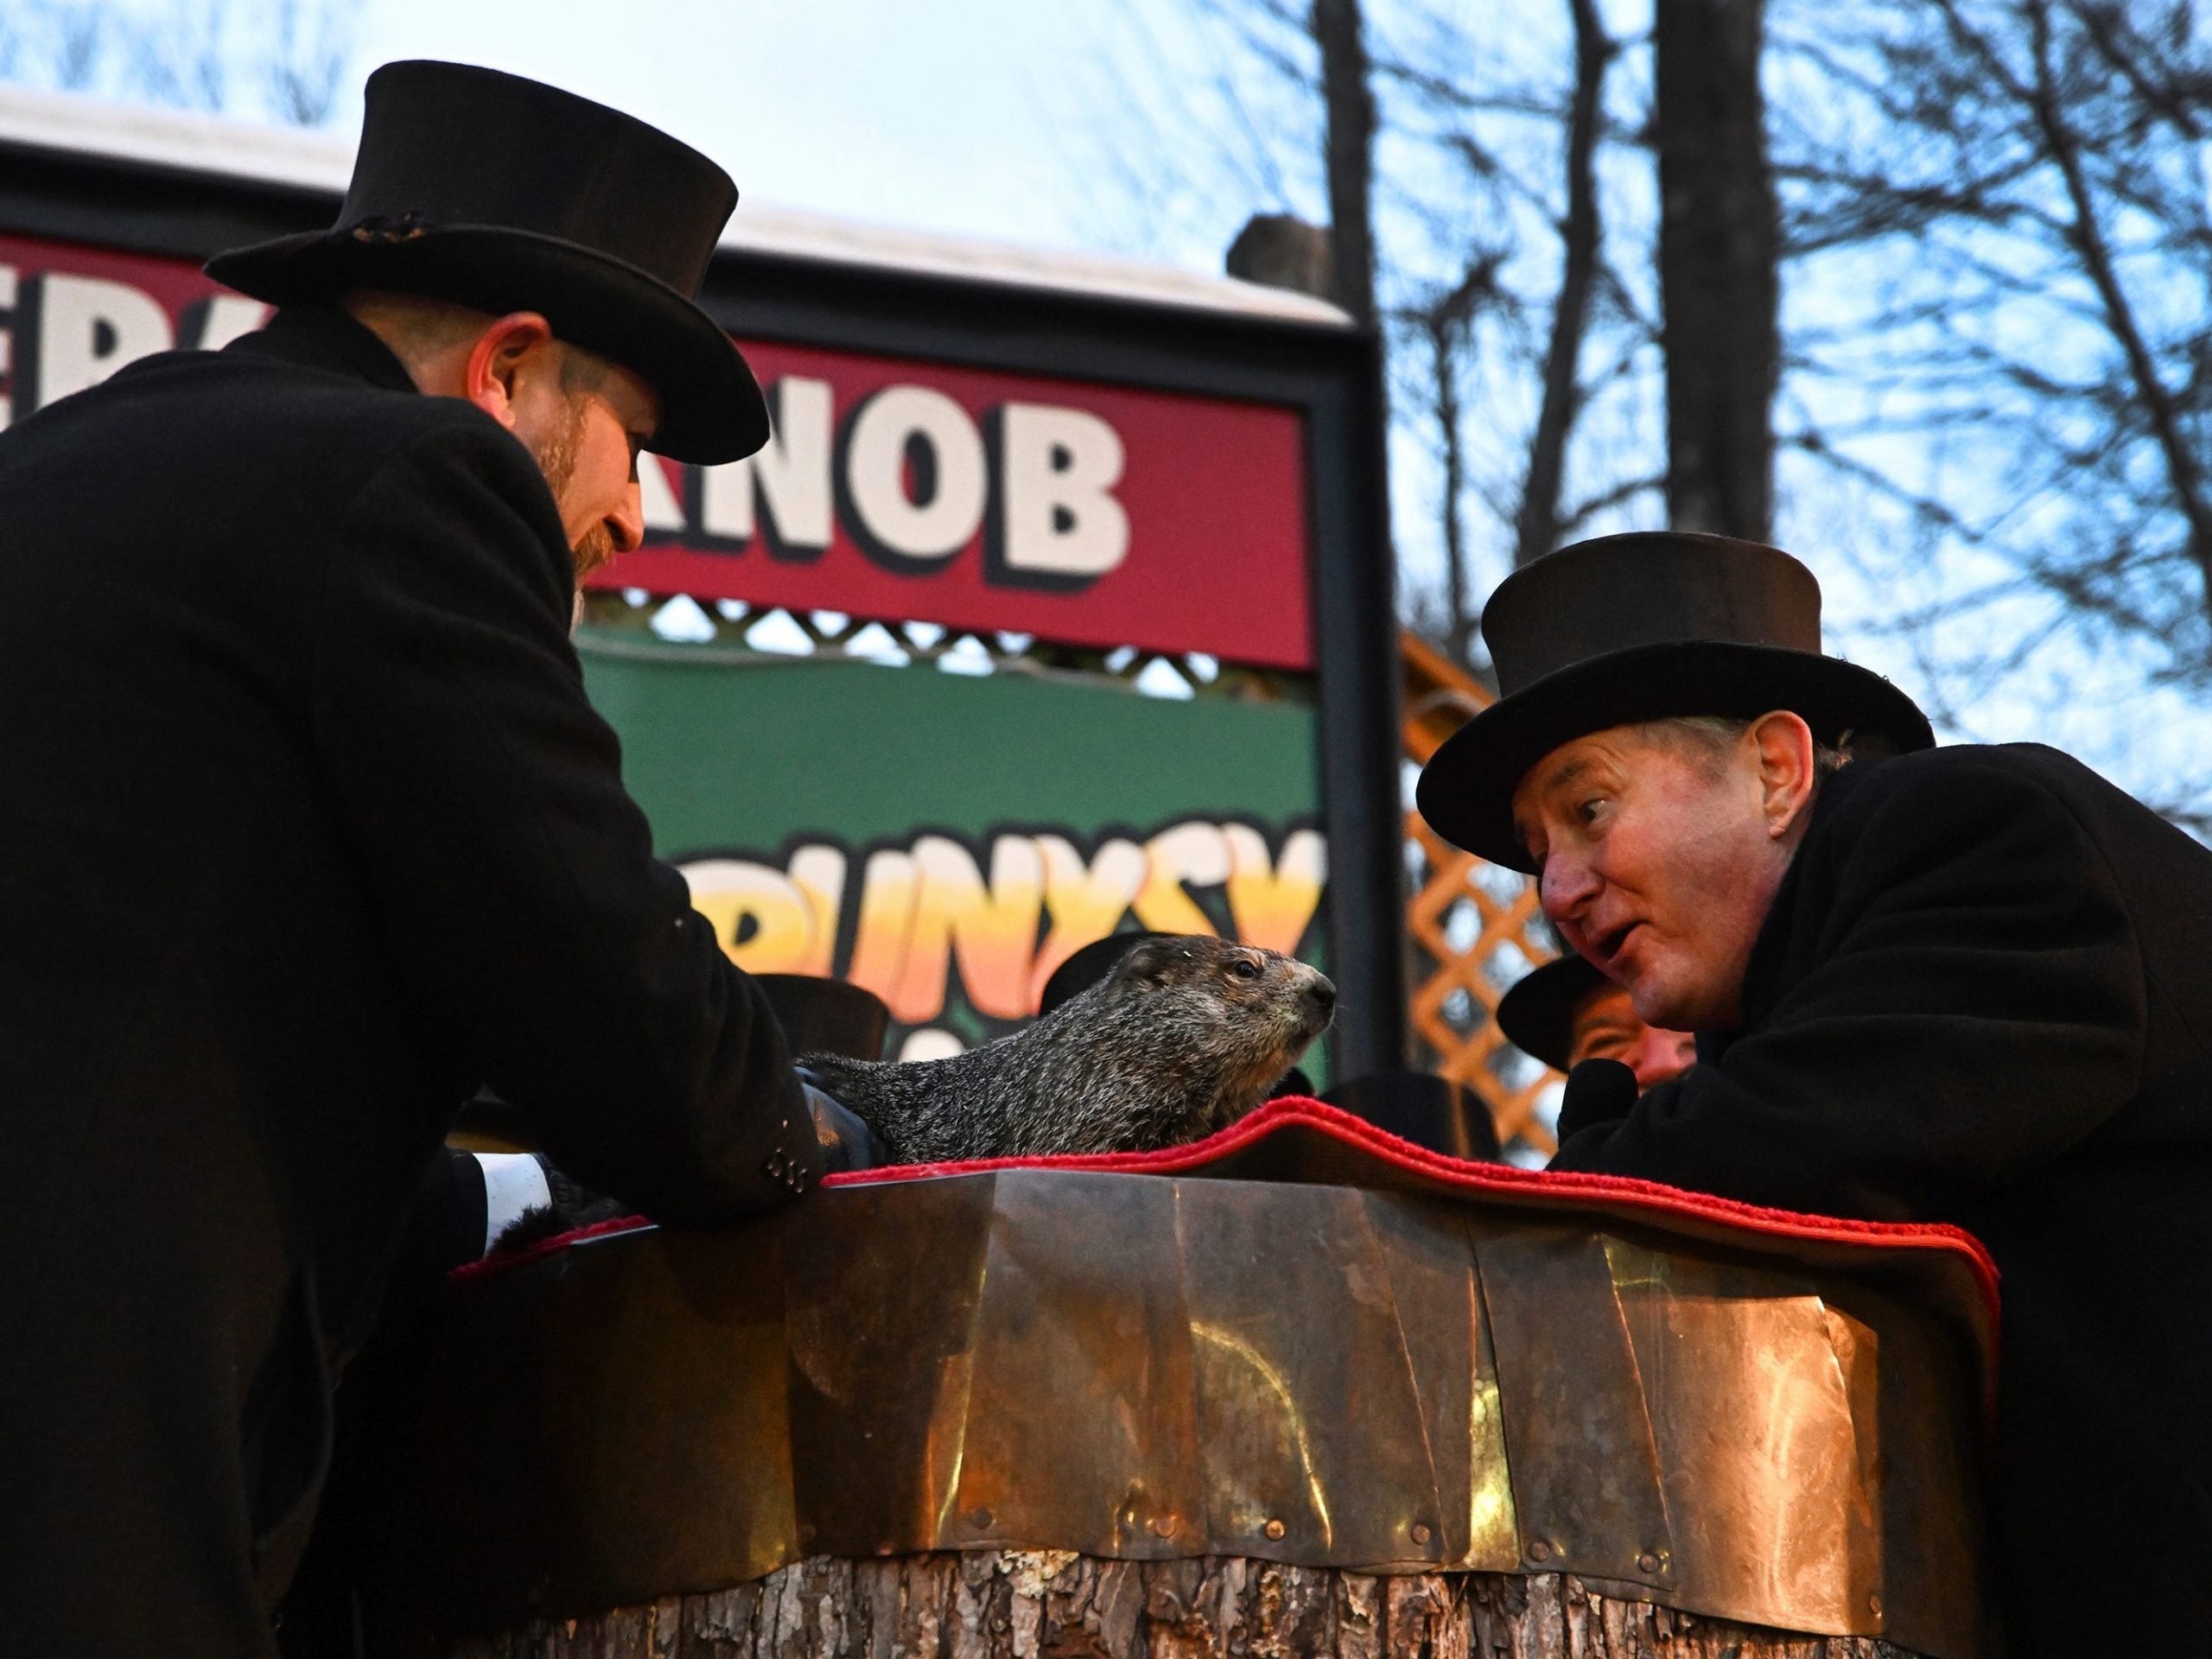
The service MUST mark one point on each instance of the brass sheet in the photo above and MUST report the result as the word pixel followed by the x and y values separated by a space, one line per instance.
pixel 1143 1367
pixel 1749 1413
pixel 1084 1368
pixel 1441 1321
pixel 1579 1442
pixel 1307 1414
pixel 1913 1394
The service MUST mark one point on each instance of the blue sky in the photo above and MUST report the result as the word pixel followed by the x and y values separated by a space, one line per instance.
pixel 960 116
pixel 1100 124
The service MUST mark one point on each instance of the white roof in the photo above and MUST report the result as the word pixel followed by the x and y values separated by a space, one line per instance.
pixel 208 144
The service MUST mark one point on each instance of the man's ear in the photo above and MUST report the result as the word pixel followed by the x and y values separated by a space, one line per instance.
pixel 495 362
pixel 1781 748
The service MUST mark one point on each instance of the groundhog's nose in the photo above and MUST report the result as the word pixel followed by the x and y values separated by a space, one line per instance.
pixel 1321 996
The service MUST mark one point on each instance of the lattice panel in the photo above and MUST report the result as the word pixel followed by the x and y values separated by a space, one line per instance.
pixel 1479 928
pixel 768 632
pixel 1474 928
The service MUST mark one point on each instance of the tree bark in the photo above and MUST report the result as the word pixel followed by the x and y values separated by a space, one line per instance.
pixel 1537 532
pixel 1348 107
pixel 1022 1604
pixel 1719 237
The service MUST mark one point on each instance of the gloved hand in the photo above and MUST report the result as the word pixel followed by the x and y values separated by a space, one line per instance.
pixel 846 1140
pixel 1598 1091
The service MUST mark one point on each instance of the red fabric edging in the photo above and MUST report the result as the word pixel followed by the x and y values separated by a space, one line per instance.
pixel 1499 1180
pixel 1617 1194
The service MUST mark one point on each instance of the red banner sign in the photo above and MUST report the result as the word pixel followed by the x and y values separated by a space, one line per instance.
pixel 1092 515
pixel 893 489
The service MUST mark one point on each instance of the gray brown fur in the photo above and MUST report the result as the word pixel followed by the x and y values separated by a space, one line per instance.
pixel 1185 1036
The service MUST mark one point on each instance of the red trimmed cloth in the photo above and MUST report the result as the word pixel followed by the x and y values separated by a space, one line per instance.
pixel 1294 1139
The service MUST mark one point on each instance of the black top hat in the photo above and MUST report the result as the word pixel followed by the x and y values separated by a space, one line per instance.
pixel 508 195
pixel 826 1016
pixel 1537 1016
pixel 1089 964
pixel 1430 1111
pixel 1646 627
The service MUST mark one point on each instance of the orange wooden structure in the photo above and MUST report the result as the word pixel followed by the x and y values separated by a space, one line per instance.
pixel 1472 927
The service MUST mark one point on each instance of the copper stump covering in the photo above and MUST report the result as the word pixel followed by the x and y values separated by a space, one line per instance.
pixel 1144 1366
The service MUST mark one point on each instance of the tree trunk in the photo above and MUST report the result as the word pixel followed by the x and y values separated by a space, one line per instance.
pixel 1348 105
pixel 1021 1604
pixel 1717 240
pixel 1537 531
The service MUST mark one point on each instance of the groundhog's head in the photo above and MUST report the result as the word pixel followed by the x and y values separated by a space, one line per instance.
pixel 1233 1018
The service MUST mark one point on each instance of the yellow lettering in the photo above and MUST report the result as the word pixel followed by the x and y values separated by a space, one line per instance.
pixel 1196 852
pixel 992 930
pixel 730 893
pixel 1086 901
pixel 1272 901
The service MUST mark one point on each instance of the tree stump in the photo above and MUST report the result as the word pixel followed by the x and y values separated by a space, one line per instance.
pixel 1057 1604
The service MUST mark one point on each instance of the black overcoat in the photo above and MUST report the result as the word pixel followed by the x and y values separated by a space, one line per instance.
pixel 1983 996
pixel 305 831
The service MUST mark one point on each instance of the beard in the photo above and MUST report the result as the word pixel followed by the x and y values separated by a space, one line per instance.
pixel 556 459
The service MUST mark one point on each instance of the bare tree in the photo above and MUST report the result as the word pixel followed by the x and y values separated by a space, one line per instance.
pixel 1464 166
pixel 1348 105
pixel 313 41
pixel 1446 321
pixel 197 54
pixel 2024 397
pixel 1539 523
pixel 1719 237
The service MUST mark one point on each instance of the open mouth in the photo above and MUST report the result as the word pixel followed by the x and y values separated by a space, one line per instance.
pixel 1610 945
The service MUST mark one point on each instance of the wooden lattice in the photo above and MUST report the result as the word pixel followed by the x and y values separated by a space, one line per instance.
pixel 1474 928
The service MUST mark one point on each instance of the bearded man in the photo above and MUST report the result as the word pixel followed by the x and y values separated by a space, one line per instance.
pixel 1969 984
pixel 310 831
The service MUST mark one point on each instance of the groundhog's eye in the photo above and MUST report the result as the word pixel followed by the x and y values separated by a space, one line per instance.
pixel 1245 967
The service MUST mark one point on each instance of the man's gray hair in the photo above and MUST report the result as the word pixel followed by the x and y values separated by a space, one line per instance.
pixel 1711 738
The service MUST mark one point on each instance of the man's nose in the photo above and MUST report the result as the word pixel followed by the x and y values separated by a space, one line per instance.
pixel 1567 885
pixel 626 523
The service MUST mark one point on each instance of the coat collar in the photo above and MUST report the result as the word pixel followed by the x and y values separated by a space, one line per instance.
pixel 1762 972
pixel 325 337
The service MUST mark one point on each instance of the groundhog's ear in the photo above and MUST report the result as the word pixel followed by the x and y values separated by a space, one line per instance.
pixel 1149 963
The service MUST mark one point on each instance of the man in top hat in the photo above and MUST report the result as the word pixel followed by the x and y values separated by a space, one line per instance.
pixel 1566 1011
pixel 1967 985
pixel 309 830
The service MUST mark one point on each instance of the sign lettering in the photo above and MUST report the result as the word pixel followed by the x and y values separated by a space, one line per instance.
pixel 893 488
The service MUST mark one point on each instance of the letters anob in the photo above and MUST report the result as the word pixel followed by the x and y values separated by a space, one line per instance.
pixel 916 482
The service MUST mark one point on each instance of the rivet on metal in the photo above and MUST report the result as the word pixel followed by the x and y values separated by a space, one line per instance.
pixel 1874 1606
pixel 1163 1525
pixel 1421 1533
pixel 1647 1562
pixel 1273 1529
pixel 979 1518
pixel 1540 1551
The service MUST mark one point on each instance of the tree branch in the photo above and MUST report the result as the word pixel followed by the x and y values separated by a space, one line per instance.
pixel 1537 530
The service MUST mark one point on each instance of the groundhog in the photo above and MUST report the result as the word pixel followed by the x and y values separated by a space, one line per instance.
pixel 1183 1038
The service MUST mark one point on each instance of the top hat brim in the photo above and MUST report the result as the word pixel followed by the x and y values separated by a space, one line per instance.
pixel 1537 1014
pixel 826 1016
pixel 711 407
pixel 1466 789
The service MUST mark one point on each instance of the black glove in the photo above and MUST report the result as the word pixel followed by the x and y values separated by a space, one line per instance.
pixel 1598 1091
pixel 846 1140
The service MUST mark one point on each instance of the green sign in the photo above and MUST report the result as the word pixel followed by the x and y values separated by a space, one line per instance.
pixel 947 839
